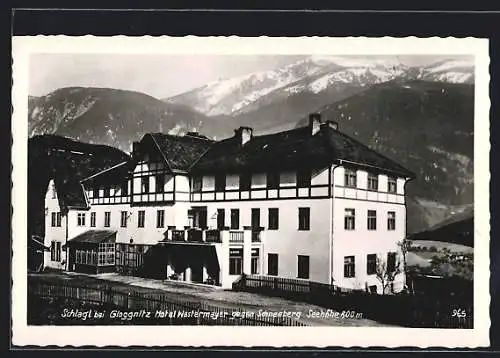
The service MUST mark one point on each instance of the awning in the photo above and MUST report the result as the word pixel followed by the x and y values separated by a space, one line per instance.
pixel 94 237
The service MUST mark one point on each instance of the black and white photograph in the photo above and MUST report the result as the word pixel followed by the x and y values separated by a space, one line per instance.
pixel 196 182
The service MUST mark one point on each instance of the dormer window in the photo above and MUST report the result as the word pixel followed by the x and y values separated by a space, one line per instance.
pixel 350 178
pixel 245 181
pixel 145 184
pixel 197 183
pixel 124 188
pixel 304 178
pixel 273 180
pixel 160 183
pixel 372 182
pixel 220 182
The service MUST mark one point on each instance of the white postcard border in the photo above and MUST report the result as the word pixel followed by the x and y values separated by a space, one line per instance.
pixel 203 336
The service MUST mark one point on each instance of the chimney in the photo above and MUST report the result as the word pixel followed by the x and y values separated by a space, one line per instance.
pixel 314 123
pixel 332 124
pixel 244 133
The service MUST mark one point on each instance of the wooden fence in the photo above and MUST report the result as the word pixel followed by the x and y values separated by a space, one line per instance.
pixel 47 302
pixel 438 309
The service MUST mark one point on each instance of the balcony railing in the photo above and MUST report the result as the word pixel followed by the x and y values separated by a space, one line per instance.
pixel 236 236
pixel 195 235
pixel 212 236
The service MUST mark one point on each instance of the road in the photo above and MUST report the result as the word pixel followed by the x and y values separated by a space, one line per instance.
pixel 176 290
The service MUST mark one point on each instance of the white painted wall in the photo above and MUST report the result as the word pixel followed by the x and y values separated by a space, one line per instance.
pixel 361 241
pixel 53 233
pixel 288 241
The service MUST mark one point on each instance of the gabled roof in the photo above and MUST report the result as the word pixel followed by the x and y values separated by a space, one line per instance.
pixel 293 149
pixel 93 236
pixel 71 194
pixel 181 152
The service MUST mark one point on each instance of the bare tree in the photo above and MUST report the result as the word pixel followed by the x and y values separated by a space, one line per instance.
pixel 385 274
pixel 404 245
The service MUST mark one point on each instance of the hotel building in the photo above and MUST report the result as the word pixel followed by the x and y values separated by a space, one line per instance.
pixel 310 203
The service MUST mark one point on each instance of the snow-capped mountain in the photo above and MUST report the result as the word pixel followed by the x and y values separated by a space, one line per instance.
pixel 451 71
pixel 228 96
pixel 315 75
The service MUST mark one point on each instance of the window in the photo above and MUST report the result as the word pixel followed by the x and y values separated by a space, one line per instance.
pixel 304 178
pixel 86 257
pixel 106 192
pixel 372 220
pixel 372 182
pixel 80 219
pixel 274 219
pixel 124 188
pixel 123 219
pixel 160 183
pixel 56 219
pixel 302 266
pixel 235 261
pixel 272 264
pixel 255 219
pixel 304 218
pixel 245 181
pixel 371 264
pixel 221 219
pixel 55 251
pixel 235 219
pixel 350 178
pixel 391 184
pixel 107 218
pixel 141 218
pixel 197 183
pixel 144 184
pixel 273 180
pixel 220 182
pixel 92 219
pixel 391 220
pixel 350 219
pixel 349 266
pixel 255 262
pixel 106 254
pixel 391 262
pixel 160 218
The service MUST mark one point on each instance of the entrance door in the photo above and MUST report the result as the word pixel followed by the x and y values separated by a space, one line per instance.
pixel 197 273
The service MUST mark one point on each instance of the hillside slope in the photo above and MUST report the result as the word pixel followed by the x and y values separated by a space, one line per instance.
pixel 112 117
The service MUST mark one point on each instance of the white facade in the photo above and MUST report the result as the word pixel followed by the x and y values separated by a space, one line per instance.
pixel 55 230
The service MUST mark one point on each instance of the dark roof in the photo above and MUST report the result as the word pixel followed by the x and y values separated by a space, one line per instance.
pixel 93 236
pixel 181 152
pixel 293 149
pixel 70 194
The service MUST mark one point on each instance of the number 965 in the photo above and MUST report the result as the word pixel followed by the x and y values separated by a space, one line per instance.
pixel 460 313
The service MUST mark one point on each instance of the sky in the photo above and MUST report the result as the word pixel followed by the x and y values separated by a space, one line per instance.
pixel 158 75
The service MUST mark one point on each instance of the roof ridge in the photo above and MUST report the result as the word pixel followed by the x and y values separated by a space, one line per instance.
pixel 370 149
